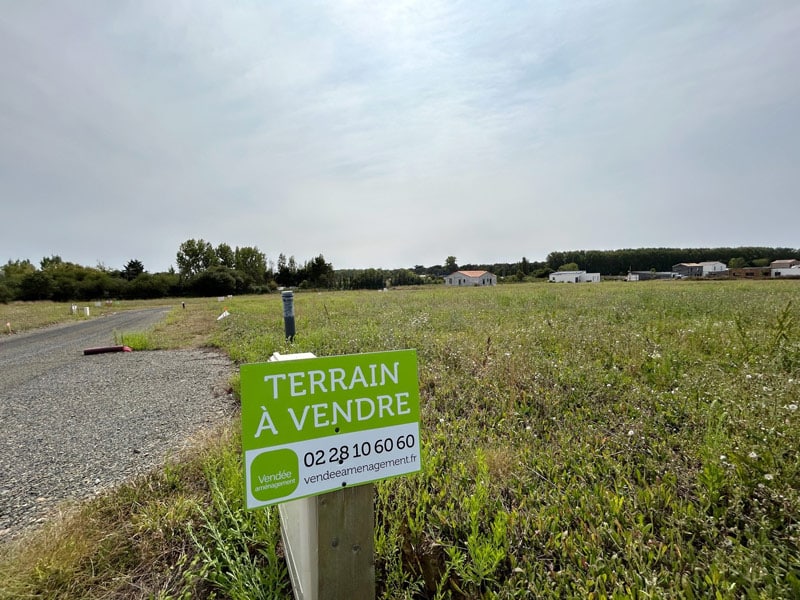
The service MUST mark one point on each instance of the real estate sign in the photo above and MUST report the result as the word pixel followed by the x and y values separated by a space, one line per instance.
pixel 316 425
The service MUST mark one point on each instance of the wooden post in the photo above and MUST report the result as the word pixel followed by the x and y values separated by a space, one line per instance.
pixel 346 543
pixel 329 544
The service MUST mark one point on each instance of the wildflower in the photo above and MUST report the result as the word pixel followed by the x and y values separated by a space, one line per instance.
pixel 723 458
pixel 630 432
pixel 748 376
pixel 792 407
pixel 753 455
pixel 769 476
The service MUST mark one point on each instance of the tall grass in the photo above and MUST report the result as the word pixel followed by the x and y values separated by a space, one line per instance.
pixel 597 441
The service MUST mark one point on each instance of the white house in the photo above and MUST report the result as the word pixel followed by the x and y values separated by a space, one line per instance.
pixel 712 267
pixel 790 272
pixel 473 278
pixel 574 277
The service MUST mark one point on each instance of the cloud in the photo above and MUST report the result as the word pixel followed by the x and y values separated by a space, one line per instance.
pixel 392 135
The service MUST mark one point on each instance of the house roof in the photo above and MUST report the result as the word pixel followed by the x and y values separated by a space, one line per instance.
pixel 474 273
pixel 783 263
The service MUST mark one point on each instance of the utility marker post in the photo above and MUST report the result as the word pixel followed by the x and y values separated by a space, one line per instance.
pixel 288 314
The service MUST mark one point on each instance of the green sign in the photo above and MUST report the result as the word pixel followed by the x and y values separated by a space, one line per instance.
pixel 313 425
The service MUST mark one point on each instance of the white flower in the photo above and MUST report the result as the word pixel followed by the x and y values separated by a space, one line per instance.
pixel 753 455
pixel 792 407
pixel 748 376
pixel 723 458
pixel 630 432
pixel 769 476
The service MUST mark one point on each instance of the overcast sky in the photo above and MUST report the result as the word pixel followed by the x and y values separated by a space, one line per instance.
pixel 391 134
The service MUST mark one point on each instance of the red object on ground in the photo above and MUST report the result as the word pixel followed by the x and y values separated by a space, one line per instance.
pixel 104 349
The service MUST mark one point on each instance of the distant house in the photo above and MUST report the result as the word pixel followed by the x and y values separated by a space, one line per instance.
pixel 785 263
pixel 473 278
pixel 713 267
pixel 646 275
pixel 793 271
pixel 688 269
pixel 574 277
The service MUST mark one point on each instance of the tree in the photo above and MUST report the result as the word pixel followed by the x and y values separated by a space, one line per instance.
pixel 195 256
pixel 288 274
pixel 320 273
pixel 159 285
pixel 17 268
pixel 133 268
pixel 226 256
pixel 49 262
pixel 737 262
pixel 450 264
pixel 11 274
pixel 252 263
pixel 217 281
pixel 36 286
pixel 569 267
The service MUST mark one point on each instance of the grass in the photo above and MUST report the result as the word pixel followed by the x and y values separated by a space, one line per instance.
pixel 599 441
pixel 23 316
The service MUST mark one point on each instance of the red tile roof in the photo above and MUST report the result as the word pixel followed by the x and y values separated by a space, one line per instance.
pixel 473 273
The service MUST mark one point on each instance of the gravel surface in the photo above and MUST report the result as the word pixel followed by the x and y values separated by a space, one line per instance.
pixel 74 425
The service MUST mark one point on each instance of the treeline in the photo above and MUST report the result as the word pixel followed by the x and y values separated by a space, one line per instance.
pixel 206 270
pixel 376 279
pixel 203 270
pixel 523 268
pixel 619 262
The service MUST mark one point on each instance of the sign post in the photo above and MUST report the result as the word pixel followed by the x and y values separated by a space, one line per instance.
pixel 314 430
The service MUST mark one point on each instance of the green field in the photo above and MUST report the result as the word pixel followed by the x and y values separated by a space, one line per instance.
pixel 596 441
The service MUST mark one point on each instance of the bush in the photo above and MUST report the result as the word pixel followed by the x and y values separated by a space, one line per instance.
pixel 6 295
pixel 36 286
pixel 216 281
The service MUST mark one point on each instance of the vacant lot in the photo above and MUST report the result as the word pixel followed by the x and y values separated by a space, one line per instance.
pixel 629 440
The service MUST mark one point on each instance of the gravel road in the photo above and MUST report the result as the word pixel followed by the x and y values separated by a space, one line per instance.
pixel 74 425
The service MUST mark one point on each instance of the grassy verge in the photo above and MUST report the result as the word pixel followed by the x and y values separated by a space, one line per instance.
pixel 598 441
pixel 23 316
